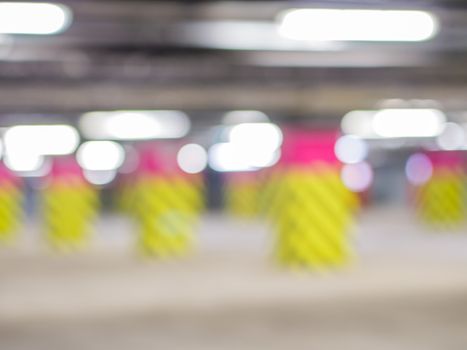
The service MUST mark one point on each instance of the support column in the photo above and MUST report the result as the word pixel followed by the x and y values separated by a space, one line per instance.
pixel 440 200
pixel 241 194
pixel 313 210
pixel 69 205
pixel 11 199
pixel 168 203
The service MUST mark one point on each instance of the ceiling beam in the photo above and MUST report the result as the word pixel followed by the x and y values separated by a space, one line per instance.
pixel 315 101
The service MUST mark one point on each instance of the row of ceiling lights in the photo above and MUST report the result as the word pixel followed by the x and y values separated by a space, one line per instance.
pixel 246 141
pixel 296 24
pixel 27 147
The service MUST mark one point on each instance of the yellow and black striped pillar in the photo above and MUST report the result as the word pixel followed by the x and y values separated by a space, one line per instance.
pixel 168 203
pixel 10 204
pixel 440 198
pixel 125 194
pixel 69 204
pixel 270 183
pixel 241 194
pixel 313 210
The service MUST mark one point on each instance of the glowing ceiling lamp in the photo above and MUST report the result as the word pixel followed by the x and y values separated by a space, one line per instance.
pixel 192 158
pixel 256 135
pixel 100 155
pixel 452 137
pixel 357 25
pixel 33 18
pixel 25 146
pixel 100 177
pixel 398 122
pixel 418 169
pixel 350 149
pixel 245 116
pixel 24 161
pixel 135 125
pixel 357 177
pixel 226 157
pixel 394 123
pixel 358 123
pixel 250 146
pixel 41 139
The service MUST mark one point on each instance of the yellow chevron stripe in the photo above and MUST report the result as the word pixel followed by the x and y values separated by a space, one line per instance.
pixel 242 198
pixel 67 212
pixel 441 200
pixel 10 212
pixel 313 214
pixel 166 211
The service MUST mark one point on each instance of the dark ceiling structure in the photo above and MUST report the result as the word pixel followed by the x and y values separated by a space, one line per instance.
pixel 207 56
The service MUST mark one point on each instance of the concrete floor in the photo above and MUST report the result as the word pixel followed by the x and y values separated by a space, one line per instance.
pixel 407 290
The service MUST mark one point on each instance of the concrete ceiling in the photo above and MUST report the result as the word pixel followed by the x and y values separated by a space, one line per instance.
pixel 150 54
